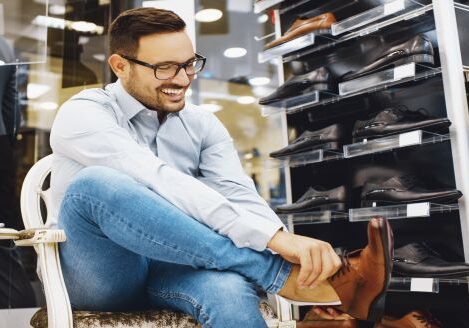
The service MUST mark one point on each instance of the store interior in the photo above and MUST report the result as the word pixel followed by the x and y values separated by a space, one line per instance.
pixel 305 109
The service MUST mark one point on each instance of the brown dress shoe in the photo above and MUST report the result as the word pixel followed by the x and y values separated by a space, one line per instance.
pixel 414 319
pixel 312 320
pixel 363 280
pixel 302 26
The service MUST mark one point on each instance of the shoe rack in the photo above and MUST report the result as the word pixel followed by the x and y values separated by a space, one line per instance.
pixel 435 82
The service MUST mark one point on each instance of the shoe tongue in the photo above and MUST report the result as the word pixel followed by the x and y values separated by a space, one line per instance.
pixel 405 181
pixel 389 114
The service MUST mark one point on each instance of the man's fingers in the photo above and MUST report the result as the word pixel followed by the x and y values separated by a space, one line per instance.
pixel 327 269
pixel 306 266
pixel 323 313
pixel 316 258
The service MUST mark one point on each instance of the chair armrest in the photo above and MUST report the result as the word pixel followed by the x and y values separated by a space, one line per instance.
pixel 31 237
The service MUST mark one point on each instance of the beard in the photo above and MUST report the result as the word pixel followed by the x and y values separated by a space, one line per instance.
pixel 154 99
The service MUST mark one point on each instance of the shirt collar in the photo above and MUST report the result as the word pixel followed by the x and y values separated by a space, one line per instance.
pixel 128 104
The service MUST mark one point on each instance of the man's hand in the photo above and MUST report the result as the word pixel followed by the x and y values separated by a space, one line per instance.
pixel 317 259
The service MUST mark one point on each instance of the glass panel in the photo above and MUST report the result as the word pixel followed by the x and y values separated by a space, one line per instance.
pixel 23 31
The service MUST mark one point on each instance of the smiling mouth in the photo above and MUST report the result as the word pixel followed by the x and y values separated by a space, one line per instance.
pixel 172 92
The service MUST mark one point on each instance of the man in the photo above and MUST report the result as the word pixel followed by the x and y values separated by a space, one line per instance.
pixel 163 215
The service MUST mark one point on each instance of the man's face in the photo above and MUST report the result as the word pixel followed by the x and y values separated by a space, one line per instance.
pixel 163 95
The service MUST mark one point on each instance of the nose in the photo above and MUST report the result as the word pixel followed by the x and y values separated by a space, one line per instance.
pixel 181 78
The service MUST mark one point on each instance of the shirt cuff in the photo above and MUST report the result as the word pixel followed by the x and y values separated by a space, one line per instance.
pixel 253 232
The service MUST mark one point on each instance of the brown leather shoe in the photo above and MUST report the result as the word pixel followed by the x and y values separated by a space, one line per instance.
pixel 302 26
pixel 414 319
pixel 312 320
pixel 362 281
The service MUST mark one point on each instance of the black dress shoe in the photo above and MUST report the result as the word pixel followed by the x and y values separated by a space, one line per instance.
pixel 405 189
pixel 320 79
pixel 326 138
pixel 313 199
pixel 419 260
pixel 418 49
pixel 398 120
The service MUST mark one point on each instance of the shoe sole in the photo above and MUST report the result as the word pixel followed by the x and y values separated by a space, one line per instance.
pixel 328 146
pixel 340 207
pixel 376 311
pixel 440 200
pixel 417 58
pixel 437 125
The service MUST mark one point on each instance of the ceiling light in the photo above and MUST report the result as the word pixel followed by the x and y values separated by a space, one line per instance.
pixel 257 81
pixel 34 90
pixel 52 22
pixel 100 57
pixel 262 18
pixel 83 26
pixel 246 100
pixel 57 10
pixel 235 52
pixel 48 105
pixel 211 107
pixel 208 15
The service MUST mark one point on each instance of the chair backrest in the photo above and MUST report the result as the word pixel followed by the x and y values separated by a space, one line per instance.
pixel 33 191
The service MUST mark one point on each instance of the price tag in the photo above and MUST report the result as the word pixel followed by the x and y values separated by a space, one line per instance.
pixel 418 210
pixel 424 285
pixel 401 72
pixel 393 7
pixel 410 138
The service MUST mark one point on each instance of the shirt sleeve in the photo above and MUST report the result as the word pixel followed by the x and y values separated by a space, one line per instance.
pixel 87 132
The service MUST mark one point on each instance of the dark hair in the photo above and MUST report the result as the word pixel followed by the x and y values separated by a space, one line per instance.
pixel 127 29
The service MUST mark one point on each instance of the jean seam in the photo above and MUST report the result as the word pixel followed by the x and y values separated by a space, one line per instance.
pixel 280 279
pixel 102 206
pixel 183 297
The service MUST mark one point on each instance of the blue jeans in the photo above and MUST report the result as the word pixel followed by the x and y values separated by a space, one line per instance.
pixel 128 248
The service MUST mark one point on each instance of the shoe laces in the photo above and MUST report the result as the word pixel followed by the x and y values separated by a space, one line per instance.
pixel 428 320
pixel 345 268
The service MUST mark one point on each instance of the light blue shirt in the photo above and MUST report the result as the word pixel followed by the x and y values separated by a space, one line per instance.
pixel 189 159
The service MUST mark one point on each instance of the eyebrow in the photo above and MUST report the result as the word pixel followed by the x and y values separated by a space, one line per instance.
pixel 173 62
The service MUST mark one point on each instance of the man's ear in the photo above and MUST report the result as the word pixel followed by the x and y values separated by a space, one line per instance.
pixel 119 65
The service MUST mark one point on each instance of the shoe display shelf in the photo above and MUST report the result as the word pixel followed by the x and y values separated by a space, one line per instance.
pixel 295 104
pixel 383 80
pixel 301 42
pixel 400 211
pixel 302 159
pixel 375 14
pixel 424 285
pixel 402 140
pixel 262 5
pixel 443 22
pixel 418 15
pixel 314 217
pixel 362 148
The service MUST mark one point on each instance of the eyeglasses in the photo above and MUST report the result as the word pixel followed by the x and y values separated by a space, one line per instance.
pixel 169 71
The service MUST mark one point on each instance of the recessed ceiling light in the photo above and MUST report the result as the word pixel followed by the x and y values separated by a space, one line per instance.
pixel 57 9
pixel 83 26
pixel 35 90
pixel 246 100
pixel 48 105
pixel 208 15
pixel 257 81
pixel 235 52
pixel 211 107
pixel 262 18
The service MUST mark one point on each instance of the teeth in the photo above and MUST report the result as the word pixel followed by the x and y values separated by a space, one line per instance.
pixel 172 91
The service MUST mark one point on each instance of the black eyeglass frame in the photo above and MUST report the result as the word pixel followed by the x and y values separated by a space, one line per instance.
pixel 154 67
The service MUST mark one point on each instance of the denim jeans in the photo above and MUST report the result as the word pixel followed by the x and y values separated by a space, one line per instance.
pixel 128 248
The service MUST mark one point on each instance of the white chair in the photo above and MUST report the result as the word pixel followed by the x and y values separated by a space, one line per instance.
pixel 59 312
